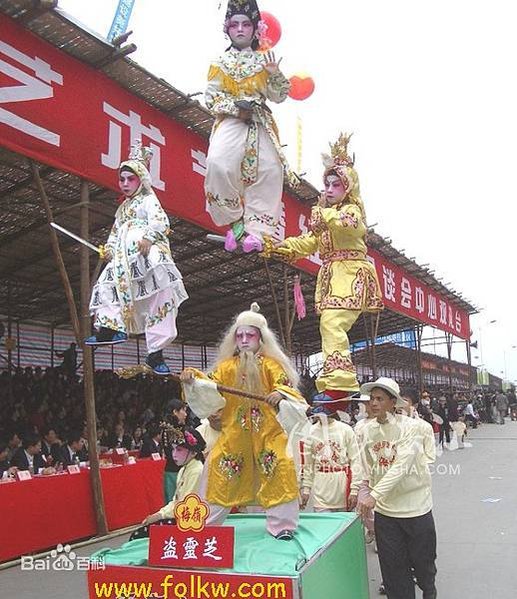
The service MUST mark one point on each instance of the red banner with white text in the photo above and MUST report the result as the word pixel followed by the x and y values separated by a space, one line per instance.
pixel 63 113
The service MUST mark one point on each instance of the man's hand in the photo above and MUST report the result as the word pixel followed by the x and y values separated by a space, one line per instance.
pixel 144 245
pixel 365 505
pixel 152 518
pixel 352 502
pixel 187 376
pixel 322 200
pixel 304 497
pixel 48 471
pixel 273 399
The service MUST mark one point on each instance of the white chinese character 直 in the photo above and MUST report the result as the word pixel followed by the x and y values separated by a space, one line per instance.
pixel 405 293
pixel 389 283
pixel 190 546
pixel 136 130
pixel 169 549
pixel 211 548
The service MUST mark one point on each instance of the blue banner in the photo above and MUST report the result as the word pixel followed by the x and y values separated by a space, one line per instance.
pixel 121 18
pixel 404 338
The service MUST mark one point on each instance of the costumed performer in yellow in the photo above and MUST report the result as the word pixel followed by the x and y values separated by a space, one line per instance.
pixel 245 161
pixel 250 463
pixel 140 289
pixel 347 283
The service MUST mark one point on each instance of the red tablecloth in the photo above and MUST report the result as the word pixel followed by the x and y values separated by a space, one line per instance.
pixel 42 512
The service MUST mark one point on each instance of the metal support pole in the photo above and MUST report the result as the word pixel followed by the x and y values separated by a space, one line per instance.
pixel 88 372
pixel 469 362
pixel 418 335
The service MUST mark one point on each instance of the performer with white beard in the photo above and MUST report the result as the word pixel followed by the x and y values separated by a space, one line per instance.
pixel 249 463
pixel 245 162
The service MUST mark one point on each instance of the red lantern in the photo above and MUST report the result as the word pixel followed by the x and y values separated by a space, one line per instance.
pixel 302 86
pixel 272 31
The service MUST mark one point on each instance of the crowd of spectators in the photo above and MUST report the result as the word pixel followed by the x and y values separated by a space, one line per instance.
pixel 42 414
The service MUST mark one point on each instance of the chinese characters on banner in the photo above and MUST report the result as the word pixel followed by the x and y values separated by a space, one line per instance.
pixel 211 547
pixel 61 112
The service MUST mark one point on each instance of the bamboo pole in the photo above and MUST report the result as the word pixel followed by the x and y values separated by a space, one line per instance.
pixel 74 318
pixel 88 370
pixel 287 316
pixel 275 300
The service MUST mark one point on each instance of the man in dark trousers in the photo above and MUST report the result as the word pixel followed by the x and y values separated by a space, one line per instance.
pixel 396 452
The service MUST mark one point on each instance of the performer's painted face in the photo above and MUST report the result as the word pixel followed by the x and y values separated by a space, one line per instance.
pixel 181 455
pixel 334 189
pixel 247 339
pixel 128 183
pixel 240 30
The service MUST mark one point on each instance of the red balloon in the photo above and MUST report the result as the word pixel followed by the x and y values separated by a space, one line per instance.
pixel 272 31
pixel 302 86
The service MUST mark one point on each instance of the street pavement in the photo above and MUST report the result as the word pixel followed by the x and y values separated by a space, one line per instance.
pixel 477 540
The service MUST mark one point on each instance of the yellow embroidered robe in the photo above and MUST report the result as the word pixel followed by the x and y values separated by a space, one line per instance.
pixel 249 463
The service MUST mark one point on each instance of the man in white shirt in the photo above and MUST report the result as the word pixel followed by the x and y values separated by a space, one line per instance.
pixel 396 452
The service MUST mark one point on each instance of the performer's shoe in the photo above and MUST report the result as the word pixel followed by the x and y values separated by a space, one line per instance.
pixel 155 361
pixel 331 401
pixel 106 336
pixel 252 244
pixel 285 535
pixel 230 243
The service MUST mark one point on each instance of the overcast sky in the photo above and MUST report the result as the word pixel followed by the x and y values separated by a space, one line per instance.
pixel 427 87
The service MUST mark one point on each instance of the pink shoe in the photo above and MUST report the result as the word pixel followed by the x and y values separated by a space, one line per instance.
pixel 230 243
pixel 252 244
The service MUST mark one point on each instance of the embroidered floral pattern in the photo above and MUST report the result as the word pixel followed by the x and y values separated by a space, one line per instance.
pixel 249 164
pixel 365 292
pixel 252 415
pixel 338 255
pixel 283 379
pixel 231 464
pixel 267 460
pixel 264 219
pixel 160 315
pixel 110 323
pixel 223 202
pixel 338 361
pixel 317 223
pixel 348 220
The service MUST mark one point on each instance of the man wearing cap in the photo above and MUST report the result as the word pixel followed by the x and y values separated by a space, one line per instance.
pixel 396 452
pixel 249 463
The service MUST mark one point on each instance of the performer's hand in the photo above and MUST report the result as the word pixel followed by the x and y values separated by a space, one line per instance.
pixel 272 66
pixel 304 497
pixel 245 115
pixel 152 518
pixel 322 202
pixel 364 505
pixel 187 376
pixel 144 245
pixel 352 502
pixel 273 399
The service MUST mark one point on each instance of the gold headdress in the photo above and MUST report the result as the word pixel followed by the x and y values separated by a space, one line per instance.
pixel 340 163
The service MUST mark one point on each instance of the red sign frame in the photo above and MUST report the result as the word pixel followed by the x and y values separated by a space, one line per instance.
pixel 212 547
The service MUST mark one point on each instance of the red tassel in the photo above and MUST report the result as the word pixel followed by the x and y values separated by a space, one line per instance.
pixel 299 302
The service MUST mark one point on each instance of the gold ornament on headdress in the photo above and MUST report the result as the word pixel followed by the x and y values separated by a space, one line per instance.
pixel 140 153
pixel 339 150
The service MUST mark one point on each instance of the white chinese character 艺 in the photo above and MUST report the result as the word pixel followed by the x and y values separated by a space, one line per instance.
pixel 169 549
pixel 136 129
pixel 190 546
pixel 31 88
pixel 211 548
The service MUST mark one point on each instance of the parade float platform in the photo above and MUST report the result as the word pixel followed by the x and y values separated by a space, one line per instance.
pixel 327 558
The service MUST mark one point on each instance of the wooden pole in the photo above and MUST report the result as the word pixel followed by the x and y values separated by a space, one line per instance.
pixel 74 318
pixel 287 315
pixel 275 301
pixel 88 372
